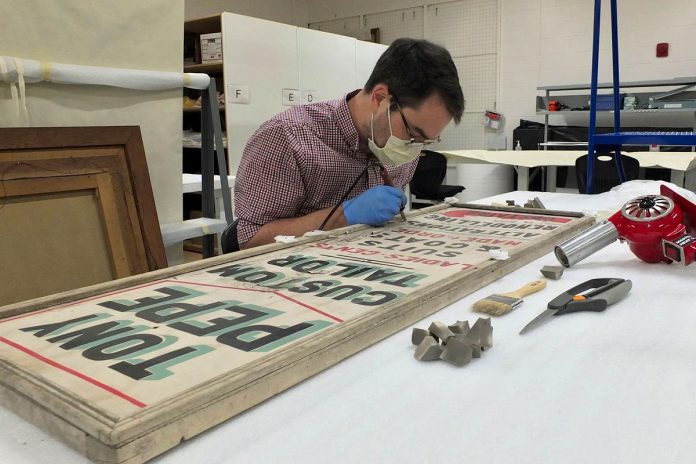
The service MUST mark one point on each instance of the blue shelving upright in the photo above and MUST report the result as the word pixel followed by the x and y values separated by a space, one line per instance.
pixel 617 139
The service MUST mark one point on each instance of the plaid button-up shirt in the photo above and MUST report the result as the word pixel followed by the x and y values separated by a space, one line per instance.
pixel 302 160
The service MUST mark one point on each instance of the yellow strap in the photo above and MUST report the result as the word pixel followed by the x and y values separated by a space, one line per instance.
pixel 187 80
pixel 45 71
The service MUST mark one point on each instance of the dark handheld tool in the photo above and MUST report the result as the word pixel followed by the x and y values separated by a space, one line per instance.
pixel 593 295
pixel 386 179
pixel 656 227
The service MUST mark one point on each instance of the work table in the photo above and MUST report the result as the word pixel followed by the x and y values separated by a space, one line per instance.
pixel 615 386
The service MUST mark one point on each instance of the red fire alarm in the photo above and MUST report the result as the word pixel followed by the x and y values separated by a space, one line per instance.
pixel 662 50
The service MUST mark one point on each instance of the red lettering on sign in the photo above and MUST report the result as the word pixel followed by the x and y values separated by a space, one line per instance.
pixel 346 249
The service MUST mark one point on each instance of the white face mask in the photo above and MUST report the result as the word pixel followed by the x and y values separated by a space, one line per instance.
pixel 396 151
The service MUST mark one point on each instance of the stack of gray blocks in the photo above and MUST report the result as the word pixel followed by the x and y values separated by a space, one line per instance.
pixel 456 343
pixel 533 203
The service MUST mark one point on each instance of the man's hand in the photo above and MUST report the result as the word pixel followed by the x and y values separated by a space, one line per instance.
pixel 374 206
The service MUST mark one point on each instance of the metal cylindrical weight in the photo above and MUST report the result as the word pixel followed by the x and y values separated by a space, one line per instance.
pixel 586 243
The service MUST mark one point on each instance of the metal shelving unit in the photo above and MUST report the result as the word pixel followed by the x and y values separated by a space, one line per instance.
pixel 617 138
pixel 212 143
pixel 550 92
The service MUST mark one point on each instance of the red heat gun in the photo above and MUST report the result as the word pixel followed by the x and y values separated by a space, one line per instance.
pixel 656 228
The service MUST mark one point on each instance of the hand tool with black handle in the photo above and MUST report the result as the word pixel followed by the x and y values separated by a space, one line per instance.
pixel 593 295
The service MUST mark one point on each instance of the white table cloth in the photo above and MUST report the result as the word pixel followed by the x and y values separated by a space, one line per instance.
pixel 612 387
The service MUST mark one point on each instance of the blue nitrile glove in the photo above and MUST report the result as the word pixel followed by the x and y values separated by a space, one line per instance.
pixel 374 206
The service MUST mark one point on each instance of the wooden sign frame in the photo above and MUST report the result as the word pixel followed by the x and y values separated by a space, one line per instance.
pixel 76 208
pixel 116 424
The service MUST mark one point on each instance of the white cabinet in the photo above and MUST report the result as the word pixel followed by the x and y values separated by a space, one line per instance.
pixel 326 63
pixel 366 56
pixel 268 66
pixel 260 57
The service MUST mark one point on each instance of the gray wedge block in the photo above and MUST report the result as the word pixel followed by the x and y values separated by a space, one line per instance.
pixel 482 331
pixel 441 331
pixel 552 272
pixel 457 352
pixel 418 335
pixel 474 343
pixel 460 327
pixel 428 350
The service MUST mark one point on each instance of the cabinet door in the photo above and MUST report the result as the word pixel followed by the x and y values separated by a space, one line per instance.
pixel 260 58
pixel 326 64
pixel 366 56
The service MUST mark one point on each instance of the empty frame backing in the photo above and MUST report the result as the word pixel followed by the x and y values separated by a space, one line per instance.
pixel 76 209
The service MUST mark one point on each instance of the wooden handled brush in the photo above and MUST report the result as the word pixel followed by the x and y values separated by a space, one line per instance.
pixel 503 303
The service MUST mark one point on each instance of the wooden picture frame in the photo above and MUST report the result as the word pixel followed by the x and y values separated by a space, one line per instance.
pixel 76 209
pixel 125 370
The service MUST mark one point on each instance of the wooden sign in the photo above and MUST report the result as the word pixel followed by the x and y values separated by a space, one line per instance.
pixel 126 370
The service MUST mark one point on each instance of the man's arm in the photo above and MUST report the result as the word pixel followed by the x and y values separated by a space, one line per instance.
pixel 296 226
pixel 374 206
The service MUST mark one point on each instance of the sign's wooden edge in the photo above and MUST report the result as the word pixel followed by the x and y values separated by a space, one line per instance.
pixel 128 436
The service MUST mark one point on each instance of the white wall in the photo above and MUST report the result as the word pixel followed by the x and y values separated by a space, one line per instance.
pixel 321 10
pixel 127 34
pixel 467 28
pixel 283 11
pixel 547 42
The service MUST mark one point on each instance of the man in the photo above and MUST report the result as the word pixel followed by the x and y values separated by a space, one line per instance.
pixel 330 164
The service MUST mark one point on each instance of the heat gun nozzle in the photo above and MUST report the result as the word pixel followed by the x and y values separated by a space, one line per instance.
pixel 581 246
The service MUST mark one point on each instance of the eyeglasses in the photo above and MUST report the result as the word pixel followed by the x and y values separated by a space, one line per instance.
pixel 412 140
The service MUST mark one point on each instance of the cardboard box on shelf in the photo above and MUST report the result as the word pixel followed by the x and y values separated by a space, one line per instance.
pixel 211 47
pixel 210 57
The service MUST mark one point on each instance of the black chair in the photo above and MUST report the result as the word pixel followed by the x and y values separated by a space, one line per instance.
pixel 228 239
pixel 426 183
pixel 605 175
